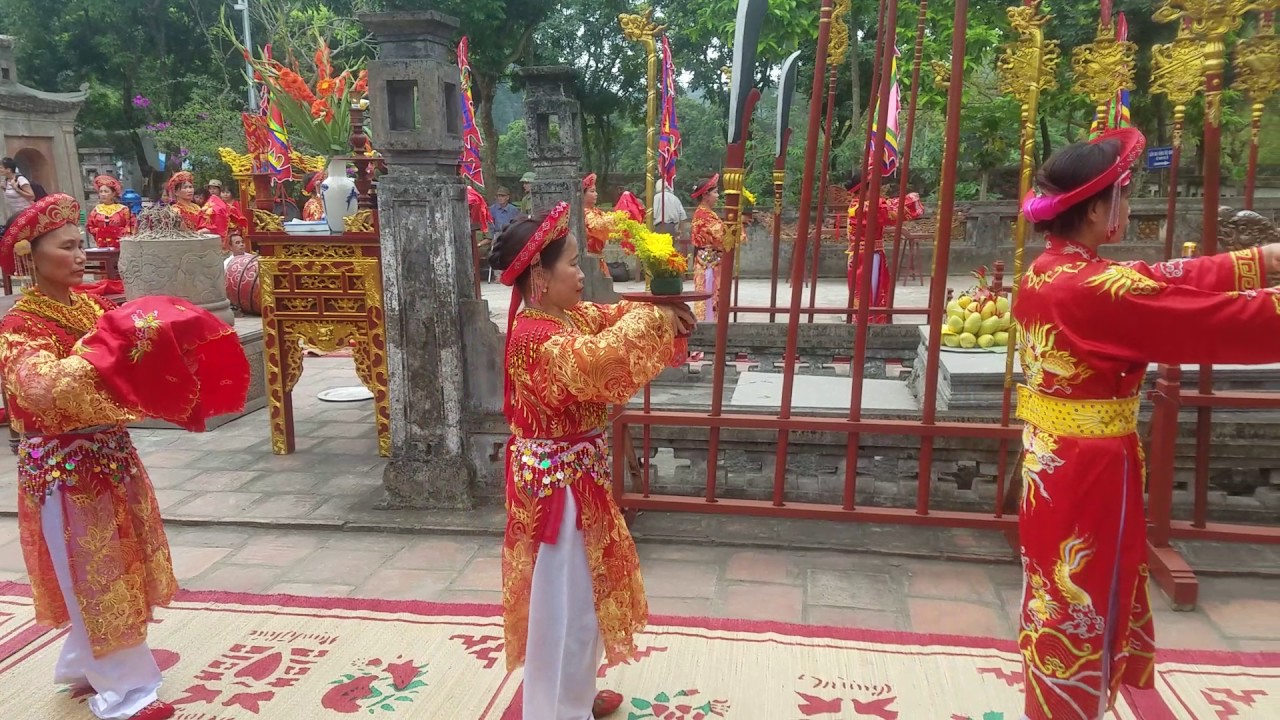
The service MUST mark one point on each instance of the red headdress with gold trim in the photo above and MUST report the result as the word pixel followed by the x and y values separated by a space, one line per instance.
pixel 42 217
pixel 108 181
pixel 1039 206
pixel 706 187
pixel 588 182
pixel 313 180
pixel 171 187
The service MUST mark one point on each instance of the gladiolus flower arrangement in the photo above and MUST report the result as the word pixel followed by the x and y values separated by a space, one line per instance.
pixel 319 113
pixel 655 251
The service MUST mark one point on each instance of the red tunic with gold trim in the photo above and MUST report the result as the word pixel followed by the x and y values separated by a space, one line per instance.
pixel 563 378
pixel 313 210
pixel 1087 329
pixel 887 216
pixel 189 212
pixel 707 236
pixel 75 440
pixel 108 223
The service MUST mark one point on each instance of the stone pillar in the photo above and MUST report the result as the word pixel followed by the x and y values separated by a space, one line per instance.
pixel 553 134
pixel 444 354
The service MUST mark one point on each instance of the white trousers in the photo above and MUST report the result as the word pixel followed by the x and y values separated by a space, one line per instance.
pixel 125 681
pixel 565 647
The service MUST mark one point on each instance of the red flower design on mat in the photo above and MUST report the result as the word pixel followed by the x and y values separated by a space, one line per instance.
pixel 375 686
pixel 248 675
pixel 1225 699
pixel 346 697
pixel 682 705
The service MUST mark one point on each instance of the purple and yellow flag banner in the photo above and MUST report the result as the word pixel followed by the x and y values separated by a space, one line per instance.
pixel 472 167
pixel 889 162
pixel 669 129
pixel 277 157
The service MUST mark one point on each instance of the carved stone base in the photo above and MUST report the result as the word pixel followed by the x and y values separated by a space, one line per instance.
pixel 435 483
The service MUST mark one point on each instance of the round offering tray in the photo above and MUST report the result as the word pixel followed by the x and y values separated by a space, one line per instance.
pixel 648 297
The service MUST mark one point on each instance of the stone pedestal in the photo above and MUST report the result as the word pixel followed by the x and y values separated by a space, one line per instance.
pixel 444 354
pixel 177 262
pixel 553 134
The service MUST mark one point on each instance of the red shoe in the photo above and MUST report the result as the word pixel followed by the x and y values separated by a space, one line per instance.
pixel 157 710
pixel 607 703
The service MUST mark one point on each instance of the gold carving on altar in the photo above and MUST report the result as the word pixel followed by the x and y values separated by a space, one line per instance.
pixel 299 304
pixel 361 222
pixel 838 42
pixel 345 306
pixel 327 336
pixel 307 163
pixel 319 252
pixel 241 164
pixel 326 296
pixel 267 221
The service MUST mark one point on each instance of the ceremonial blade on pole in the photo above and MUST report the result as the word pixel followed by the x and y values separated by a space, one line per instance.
pixel 745 38
pixel 786 93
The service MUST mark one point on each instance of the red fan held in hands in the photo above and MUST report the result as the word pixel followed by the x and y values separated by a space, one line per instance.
pixel 169 359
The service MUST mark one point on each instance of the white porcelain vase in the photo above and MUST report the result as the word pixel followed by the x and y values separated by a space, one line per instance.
pixel 338 193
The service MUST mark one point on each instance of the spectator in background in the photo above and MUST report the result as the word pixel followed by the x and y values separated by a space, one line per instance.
pixel 526 202
pixel 18 193
pixel 670 217
pixel 503 212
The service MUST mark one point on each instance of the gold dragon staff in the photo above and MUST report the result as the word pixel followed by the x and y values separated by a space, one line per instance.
pixel 641 28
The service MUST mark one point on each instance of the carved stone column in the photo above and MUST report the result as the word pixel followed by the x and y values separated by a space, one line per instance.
pixel 553 134
pixel 444 354
pixel 166 258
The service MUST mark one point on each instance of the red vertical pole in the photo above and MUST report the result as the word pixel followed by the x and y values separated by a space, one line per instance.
pixel 942 249
pixel 790 357
pixel 904 165
pixel 889 15
pixel 857 226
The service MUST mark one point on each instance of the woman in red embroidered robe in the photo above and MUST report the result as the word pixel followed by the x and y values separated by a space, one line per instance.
pixel 313 210
pixel 1087 329
pixel 600 225
pixel 572 590
pixel 707 236
pixel 75 373
pixel 887 215
pixel 109 220
pixel 181 193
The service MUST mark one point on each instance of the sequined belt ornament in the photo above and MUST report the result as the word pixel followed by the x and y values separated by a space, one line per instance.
pixel 1101 418
pixel 542 466
pixel 709 257
pixel 46 462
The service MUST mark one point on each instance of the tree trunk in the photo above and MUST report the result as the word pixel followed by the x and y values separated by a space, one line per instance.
pixel 485 88
pixel 982 186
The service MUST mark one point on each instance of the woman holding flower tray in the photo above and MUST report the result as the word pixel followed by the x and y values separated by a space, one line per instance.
pixel 572 591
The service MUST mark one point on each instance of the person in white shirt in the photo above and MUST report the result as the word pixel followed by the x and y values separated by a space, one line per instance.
pixel 669 216
pixel 18 193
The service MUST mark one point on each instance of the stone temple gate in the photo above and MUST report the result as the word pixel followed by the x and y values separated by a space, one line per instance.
pixel 37 129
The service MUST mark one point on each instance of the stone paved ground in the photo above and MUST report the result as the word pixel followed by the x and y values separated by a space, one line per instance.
pixel 242 519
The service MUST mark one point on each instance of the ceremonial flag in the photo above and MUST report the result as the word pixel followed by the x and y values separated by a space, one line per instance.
pixel 472 167
pixel 278 150
pixel 890 160
pixel 669 129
